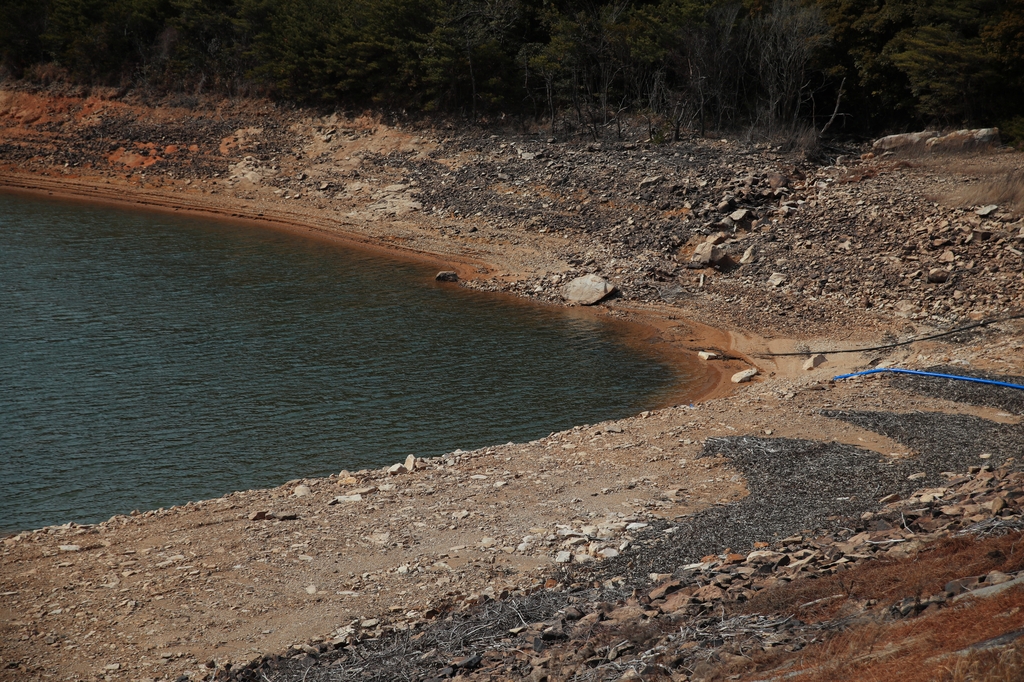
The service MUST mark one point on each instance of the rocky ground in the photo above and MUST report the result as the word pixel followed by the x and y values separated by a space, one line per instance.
pixel 535 560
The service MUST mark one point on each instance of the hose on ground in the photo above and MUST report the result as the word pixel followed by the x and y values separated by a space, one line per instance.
pixel 915 372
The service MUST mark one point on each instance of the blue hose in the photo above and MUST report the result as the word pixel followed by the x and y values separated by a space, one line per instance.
pixel 929 374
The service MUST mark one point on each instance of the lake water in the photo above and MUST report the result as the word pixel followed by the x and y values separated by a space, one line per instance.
pixel 149 359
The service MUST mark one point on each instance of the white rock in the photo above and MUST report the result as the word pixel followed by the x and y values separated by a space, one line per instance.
pixel 302 491
pixel 563 557
pixel 985 211
pixel 609 552
pixel 410 462
pixel 776 279
pixel 708 254
pixel 904 140
pixel 588 289
pixel 745 375
pixel 814 361
pixel 68 548
pixel 396 469
pixel 707 355
pixel 963 140
pixel 748 255
pixel 347 498
pixel 310 589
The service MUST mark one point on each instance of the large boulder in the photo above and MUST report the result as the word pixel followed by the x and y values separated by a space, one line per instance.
pixel 965 140
pixel 892 143
pixel 588 289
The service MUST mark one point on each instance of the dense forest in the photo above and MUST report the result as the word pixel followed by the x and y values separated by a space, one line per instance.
pixel 847 66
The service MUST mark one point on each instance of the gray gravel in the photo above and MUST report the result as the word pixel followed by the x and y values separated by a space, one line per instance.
pixel 1007 399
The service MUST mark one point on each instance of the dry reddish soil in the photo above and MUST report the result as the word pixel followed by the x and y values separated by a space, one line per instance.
pixel 205 588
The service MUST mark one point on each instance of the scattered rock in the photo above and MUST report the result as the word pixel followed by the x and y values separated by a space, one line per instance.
pixel 777 279
pixel 938 275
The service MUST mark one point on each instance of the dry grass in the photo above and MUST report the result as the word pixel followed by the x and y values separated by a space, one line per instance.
pixel 982 181
pixel 951 644
pixel 1006 665
pixel 922 574
pixel 938 645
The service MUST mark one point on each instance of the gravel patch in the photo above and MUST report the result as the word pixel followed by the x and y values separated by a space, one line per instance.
pixel 946 442
pixel 1008 399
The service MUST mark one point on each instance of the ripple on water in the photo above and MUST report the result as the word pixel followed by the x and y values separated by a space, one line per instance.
pixel 147 360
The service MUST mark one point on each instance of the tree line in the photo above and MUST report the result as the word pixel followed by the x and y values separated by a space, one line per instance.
pixel 849 66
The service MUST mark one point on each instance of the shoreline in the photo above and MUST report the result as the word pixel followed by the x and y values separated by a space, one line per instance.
pixel 319 565
pixel 643 331
pixel 640 328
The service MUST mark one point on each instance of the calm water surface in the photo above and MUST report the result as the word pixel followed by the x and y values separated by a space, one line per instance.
pixel 147 360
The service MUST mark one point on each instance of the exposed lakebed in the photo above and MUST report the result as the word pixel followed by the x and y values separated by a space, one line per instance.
pixel 150 359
